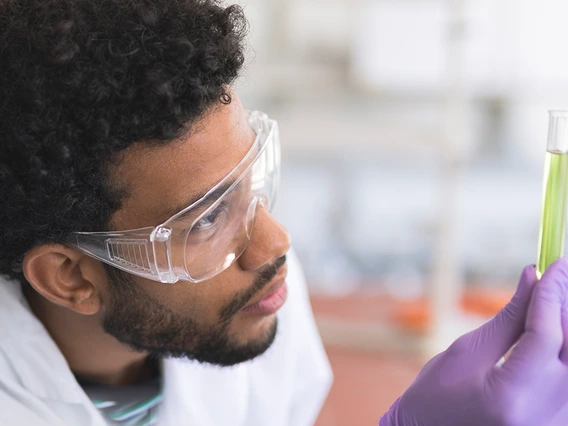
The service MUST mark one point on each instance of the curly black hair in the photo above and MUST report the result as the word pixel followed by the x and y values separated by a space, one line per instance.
pixel 80 81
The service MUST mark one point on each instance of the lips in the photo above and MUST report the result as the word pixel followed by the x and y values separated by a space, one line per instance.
pixel 272 298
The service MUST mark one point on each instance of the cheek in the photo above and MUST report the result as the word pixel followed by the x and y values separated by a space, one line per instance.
pixel 201 302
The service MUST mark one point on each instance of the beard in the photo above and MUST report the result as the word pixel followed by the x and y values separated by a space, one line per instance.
pixel 144 324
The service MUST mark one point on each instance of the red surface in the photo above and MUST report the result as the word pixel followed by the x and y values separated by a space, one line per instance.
pixel 365 386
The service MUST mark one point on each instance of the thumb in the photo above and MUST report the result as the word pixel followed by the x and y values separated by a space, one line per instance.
pixel 488 343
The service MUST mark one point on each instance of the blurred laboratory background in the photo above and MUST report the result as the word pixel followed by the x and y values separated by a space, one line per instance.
pixel 413 139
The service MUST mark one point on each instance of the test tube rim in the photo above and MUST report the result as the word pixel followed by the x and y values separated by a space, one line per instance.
pixel 557 141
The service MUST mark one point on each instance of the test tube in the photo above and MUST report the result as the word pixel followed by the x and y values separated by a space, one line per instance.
pixel 555 193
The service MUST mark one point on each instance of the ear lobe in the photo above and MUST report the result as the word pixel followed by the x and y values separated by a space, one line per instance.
pixel 64 276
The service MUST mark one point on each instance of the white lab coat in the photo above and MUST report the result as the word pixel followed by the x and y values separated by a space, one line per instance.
pixel 284 387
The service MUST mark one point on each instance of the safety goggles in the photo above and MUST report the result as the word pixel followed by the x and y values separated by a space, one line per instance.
pixel 206 237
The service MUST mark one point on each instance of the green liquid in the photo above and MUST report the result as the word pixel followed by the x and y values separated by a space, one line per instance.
pixel 553 219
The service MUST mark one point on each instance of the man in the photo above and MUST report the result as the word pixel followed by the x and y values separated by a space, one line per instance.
pixel 118 115
pixel 139 254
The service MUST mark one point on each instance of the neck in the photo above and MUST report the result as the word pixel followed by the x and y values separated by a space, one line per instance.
pixel 90 352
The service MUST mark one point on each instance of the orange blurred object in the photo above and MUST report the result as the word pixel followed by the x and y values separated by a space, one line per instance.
pixel 415 315
pixel 412 315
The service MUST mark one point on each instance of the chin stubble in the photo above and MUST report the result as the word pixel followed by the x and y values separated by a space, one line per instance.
pixel 144 325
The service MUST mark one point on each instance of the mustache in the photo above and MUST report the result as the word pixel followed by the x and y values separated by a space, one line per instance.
pixel 244 296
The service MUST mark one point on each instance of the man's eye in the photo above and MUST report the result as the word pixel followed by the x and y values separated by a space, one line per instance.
pixel 210 220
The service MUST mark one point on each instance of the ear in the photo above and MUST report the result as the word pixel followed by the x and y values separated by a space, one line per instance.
pixel 66 277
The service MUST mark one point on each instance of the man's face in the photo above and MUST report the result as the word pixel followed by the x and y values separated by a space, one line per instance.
pixel 218 320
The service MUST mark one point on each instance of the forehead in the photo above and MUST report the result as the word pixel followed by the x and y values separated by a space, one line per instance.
pixel 158 178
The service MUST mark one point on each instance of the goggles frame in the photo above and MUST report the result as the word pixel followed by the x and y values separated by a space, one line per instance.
pixel 147 252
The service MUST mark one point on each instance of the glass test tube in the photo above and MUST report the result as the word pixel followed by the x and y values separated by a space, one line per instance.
pixel 555 193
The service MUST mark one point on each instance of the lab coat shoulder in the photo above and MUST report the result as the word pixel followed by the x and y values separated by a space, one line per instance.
pixel 18 407
pixel 36 386
pixel 14 398
pixel 15 412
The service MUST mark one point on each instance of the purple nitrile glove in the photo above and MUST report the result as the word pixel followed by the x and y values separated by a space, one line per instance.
pixel 462 386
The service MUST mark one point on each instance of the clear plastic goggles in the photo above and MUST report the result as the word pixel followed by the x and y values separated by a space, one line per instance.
pixel 206 237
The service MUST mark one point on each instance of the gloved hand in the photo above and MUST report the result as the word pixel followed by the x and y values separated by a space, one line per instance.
pixel 463 386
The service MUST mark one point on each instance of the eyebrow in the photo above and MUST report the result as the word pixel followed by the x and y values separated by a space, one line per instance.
pixel 204 199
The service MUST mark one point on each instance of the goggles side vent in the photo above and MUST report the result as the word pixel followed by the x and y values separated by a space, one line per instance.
pixel 130 253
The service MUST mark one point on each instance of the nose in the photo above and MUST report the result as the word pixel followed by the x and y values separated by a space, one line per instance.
pixel 269 241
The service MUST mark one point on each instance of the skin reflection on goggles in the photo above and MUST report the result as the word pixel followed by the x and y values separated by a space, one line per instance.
pixel 220 232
